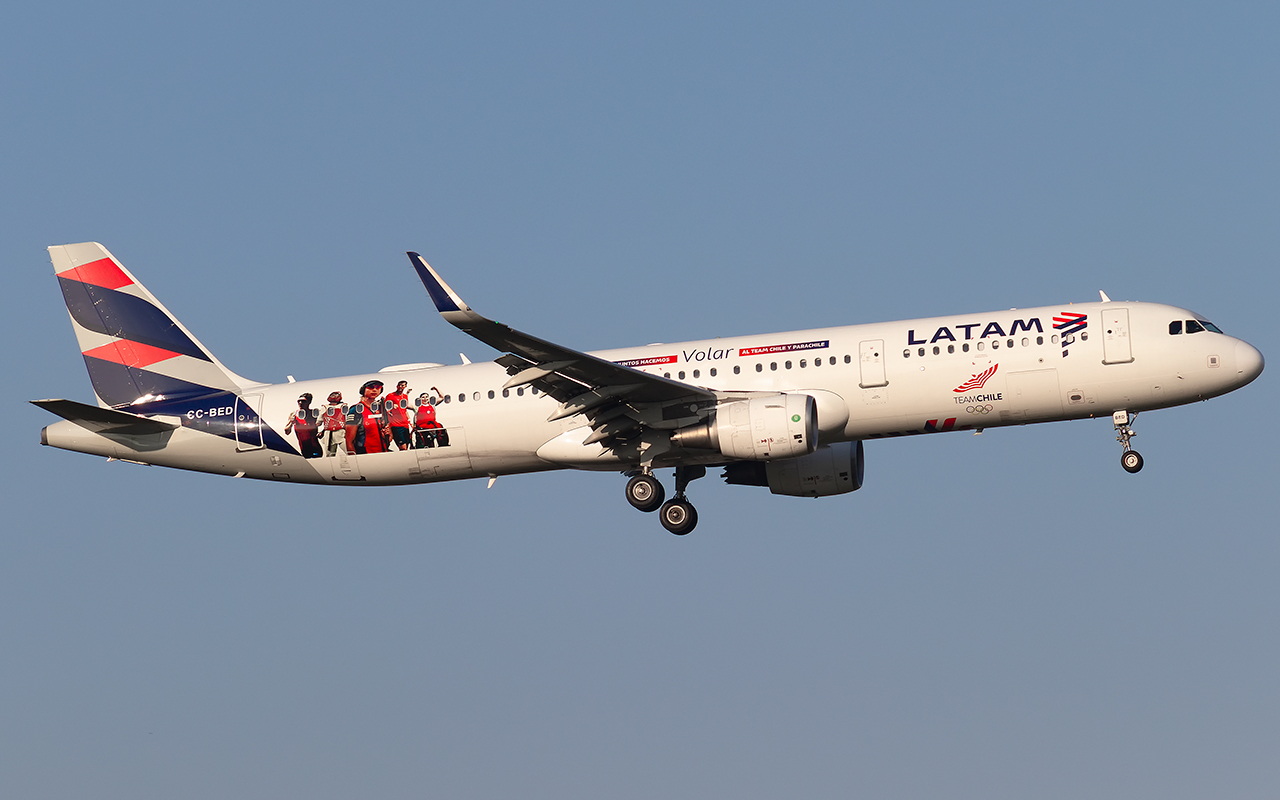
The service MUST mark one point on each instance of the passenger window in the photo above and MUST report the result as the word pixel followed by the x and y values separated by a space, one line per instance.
pixel 951 348
pixel 462 398
pixel 1010 343
pixel 713 372
pixel 1194 327
pixel 759 367
pixel 490 394
pixel 833 361
pixel 787 365
pixel 848 360
pixel 920 351
pixel 696 373
pixel 937 350
pixel 534 390
pixel 803 363
pixel 995 344
pixel 666 374
pixel 737 370
pixel 506 392
pixel 773 365
pixel 680 374
pixel 1025 341
pixel 981 345
pixel 519 391
pixel 906 353
pixel 1054 338
pixel 1039 340
pixel 964 348
pixel 1175 327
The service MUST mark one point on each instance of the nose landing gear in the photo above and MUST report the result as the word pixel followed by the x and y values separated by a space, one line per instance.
pixel 1130 459
pixel 677 514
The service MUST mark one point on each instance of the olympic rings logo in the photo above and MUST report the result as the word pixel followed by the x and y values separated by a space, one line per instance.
pixel 987 409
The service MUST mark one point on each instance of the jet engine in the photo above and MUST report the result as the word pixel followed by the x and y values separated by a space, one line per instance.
pixel 759 428
pixel 831 469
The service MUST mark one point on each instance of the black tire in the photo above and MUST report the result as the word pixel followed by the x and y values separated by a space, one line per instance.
pixel 679 516
pixel 1131 460
pixel 645 493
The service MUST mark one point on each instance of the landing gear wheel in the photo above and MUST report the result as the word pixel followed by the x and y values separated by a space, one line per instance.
pixel 1131 460
pixel 645 493
pixel 678 516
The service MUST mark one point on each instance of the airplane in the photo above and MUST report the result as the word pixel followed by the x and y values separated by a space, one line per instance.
pixel 788 411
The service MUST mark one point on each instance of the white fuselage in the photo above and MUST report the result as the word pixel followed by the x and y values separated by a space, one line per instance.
pixel 869 381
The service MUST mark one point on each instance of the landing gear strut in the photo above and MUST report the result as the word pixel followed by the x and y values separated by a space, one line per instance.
pixel 1130 459
pixel 678 515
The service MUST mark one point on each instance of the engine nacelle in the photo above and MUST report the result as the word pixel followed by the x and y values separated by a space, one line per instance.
pixel 759 428
pixel 831 469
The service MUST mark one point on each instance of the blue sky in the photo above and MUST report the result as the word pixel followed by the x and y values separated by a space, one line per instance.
pixel 1008 615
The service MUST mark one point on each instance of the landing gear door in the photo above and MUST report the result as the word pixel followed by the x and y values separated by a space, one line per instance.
pixel 1116 347
pixel 248 423
pixel 871 364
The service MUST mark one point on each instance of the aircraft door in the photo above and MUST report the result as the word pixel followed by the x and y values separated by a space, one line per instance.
pixel 871 364
pixel 448 456
pixel 1116 348
pixel 248 423
pixel 1033 395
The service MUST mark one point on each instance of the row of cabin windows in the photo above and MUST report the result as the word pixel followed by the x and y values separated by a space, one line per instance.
pixel 1192 326
pixel 491 394
pixel 981 345
pixel 773 367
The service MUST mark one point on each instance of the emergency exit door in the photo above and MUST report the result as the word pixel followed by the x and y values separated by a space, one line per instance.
pixel 248 423
pixel 871 364
pixel 1116 347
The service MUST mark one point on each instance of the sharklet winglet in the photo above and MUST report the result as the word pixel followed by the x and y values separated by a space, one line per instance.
pixel 445 298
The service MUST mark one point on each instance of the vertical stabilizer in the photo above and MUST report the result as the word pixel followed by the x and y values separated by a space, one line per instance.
pixel 134 349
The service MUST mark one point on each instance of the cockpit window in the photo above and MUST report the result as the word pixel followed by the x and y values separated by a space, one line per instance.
pixel 1175 327
pixel 1211 327
pixel 1194 326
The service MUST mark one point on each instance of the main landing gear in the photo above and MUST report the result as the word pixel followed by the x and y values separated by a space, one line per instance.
pixel 1130 459
pixel 678 515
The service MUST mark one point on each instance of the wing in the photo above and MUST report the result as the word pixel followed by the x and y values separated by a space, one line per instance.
pixel 618 402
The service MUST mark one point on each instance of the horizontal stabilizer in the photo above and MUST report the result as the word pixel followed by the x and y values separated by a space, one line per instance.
pixel 104 420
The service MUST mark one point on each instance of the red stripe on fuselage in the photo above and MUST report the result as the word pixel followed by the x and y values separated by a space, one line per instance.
pixel 102 272
pixel 131 354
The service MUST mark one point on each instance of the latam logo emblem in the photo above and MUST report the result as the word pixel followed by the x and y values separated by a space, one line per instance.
pixel 1068 324
pixel 977 381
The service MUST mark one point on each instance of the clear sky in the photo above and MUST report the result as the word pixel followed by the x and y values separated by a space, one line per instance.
pixel 1003 616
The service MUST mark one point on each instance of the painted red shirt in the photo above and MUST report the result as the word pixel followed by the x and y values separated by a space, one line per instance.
pixel 364 430
pixel 396 405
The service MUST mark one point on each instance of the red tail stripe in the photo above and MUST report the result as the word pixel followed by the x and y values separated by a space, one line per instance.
pixel 102 272
pixel 131 354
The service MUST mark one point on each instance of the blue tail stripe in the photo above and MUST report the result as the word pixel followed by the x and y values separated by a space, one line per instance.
pixel 119 385
pixel 127 317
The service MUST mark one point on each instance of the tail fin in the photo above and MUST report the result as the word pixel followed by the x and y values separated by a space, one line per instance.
pixel 135 350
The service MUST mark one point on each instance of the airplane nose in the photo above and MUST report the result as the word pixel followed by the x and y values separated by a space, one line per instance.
pixel 1249 362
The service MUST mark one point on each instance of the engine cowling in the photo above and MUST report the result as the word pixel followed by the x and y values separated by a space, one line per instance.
pixel 829 470
pixel 759 428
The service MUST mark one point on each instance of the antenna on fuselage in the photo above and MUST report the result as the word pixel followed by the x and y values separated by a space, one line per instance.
pixel 1105 299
